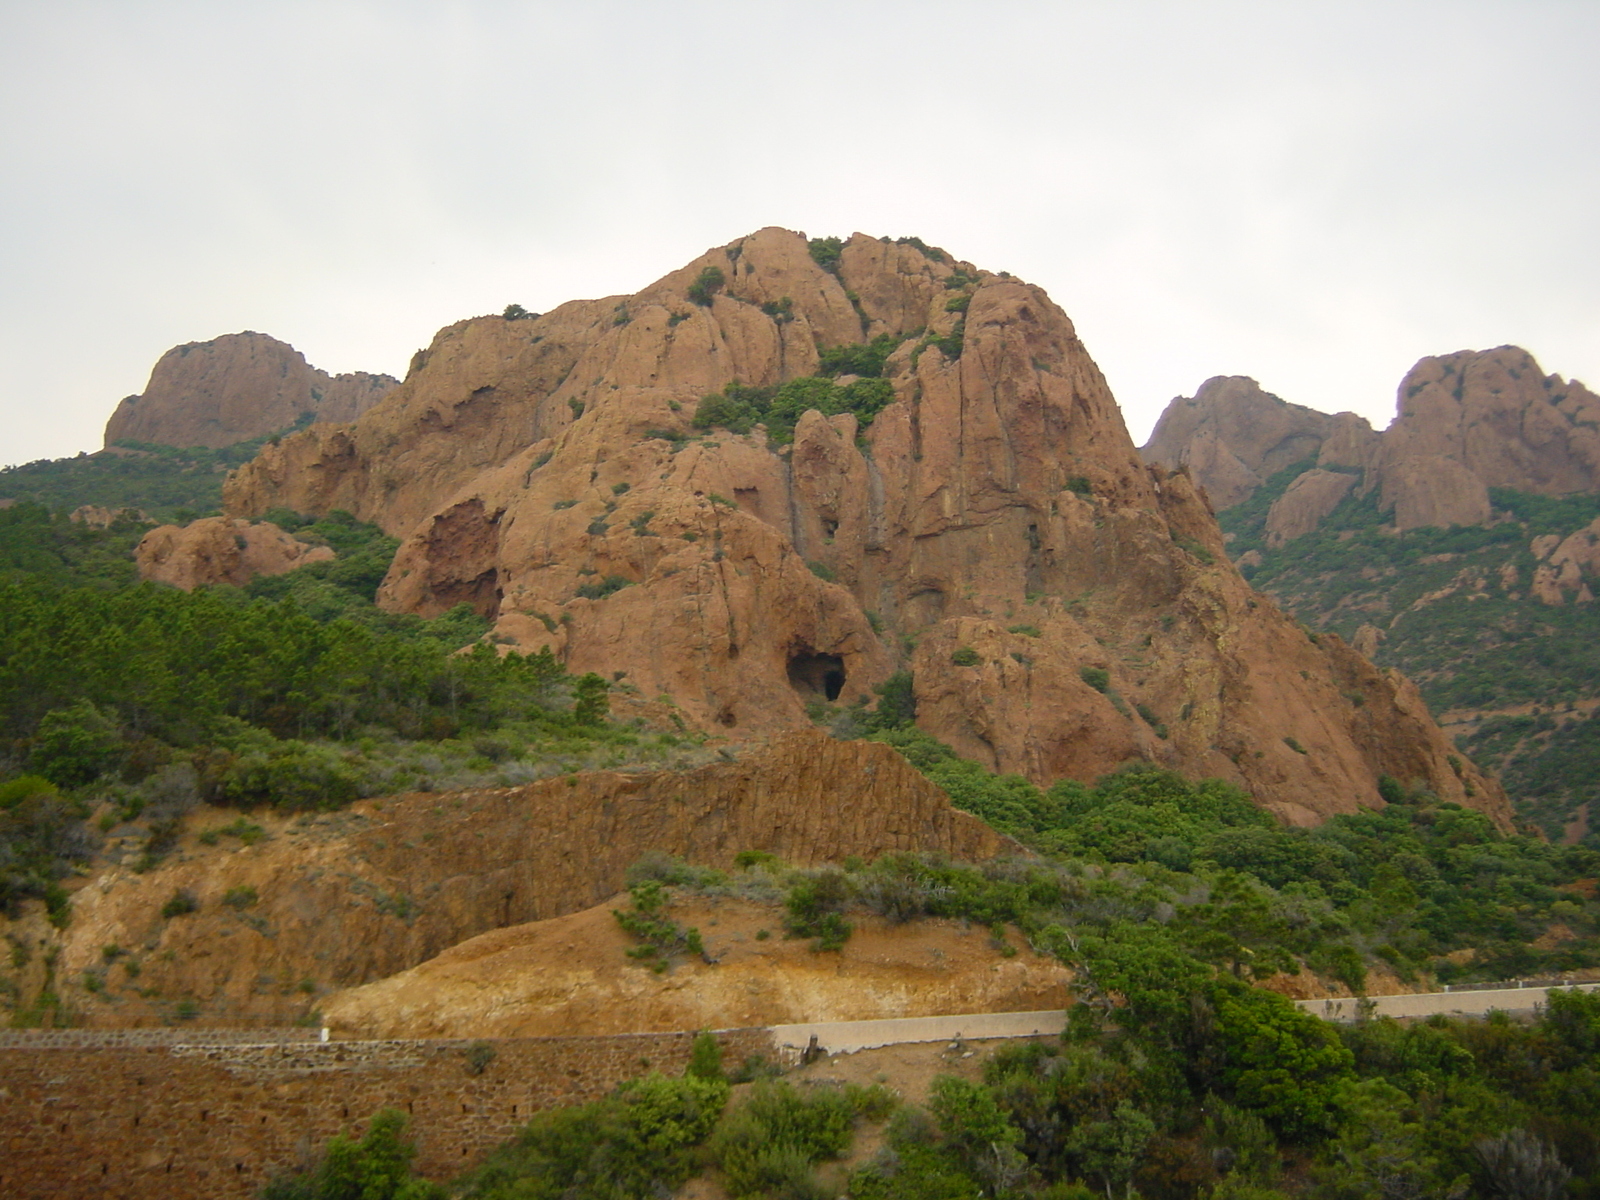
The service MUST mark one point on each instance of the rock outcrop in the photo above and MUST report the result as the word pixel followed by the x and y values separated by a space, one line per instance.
pixel 993 530
pixel 345 898
pixel 1305 502
pixel 1466 422
pixel 1567 566
pixel 221 550
pixel 237 387
pixel 1231 435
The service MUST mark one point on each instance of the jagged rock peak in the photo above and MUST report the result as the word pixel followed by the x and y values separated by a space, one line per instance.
pixel 1465 422
pixel 238 387
pixel 1231 435
pixel 1060 606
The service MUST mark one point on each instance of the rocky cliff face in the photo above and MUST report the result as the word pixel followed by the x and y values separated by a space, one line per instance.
pixel 1466 422
pixel 237 387
pixel 220 550
pixel 993 530
pixel 346 898
pixel 1231 435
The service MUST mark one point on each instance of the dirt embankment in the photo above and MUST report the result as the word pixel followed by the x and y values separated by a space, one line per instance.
pixel 572 975
pixel 264 930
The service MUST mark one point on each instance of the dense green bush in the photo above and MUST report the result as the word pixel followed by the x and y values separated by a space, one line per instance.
pixel 825 252
pixel 706 285
pixel 739 409
pixel 378 1167
pixel 771 1141
pixel 859 358
pixel 638 1143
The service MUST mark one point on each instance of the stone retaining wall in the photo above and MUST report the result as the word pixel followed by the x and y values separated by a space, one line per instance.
pixel 61 1039
pixel 207 1121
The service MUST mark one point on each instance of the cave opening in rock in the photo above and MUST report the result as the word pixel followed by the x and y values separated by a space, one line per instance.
pixel 817 675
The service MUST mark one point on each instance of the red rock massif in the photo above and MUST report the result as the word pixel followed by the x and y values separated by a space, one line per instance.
pixel 237 387
pixel 993 530
pixel 1466 422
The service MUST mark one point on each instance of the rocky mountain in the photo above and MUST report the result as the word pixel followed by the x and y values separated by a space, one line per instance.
pixel 1461 546
pixel 776 478
pixel 238 387
pixel 1465 423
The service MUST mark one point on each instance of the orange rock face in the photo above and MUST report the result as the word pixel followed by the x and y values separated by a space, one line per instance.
pixel 1230 436
pixel 237 387
pixel 993 530
pixel 220 550
pixel 1466 422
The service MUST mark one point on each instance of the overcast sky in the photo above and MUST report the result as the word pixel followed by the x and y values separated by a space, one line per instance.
pixel 1312 194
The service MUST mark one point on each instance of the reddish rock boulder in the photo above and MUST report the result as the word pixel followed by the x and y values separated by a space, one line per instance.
pixel 221 550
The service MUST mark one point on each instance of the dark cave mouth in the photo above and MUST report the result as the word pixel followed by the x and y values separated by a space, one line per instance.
pixel 817 675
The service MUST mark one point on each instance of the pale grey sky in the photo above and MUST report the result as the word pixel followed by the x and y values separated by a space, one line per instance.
pixel 1315 194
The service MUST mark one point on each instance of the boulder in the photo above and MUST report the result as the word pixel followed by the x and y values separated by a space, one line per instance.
pixel 221 550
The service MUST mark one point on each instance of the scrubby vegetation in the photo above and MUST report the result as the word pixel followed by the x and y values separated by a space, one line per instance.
pixel 739 409
pixel 168 483
pixel 1183 1084
pixel 1529 672
pixel 139 702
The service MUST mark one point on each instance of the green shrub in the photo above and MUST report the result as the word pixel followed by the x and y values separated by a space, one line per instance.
pixel 292 775
pixel 966 656
pixel 826 252
pixel 858 358
pixel 660 937
pixel 378 1167
pixel 600 589
pixel 772 1139
pixel 816 904
pixel 76 744
pixel 739 409
pixel 14 791
pixel 705 1057
pixel 239 897
pixel 181 903
pixel 640 1142
pixel 706 285
pixel 822 571
pixel 1096 677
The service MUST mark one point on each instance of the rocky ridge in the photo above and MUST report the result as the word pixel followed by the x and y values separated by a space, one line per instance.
pixel 238 387
pixel 993 530
pixel 1465 422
